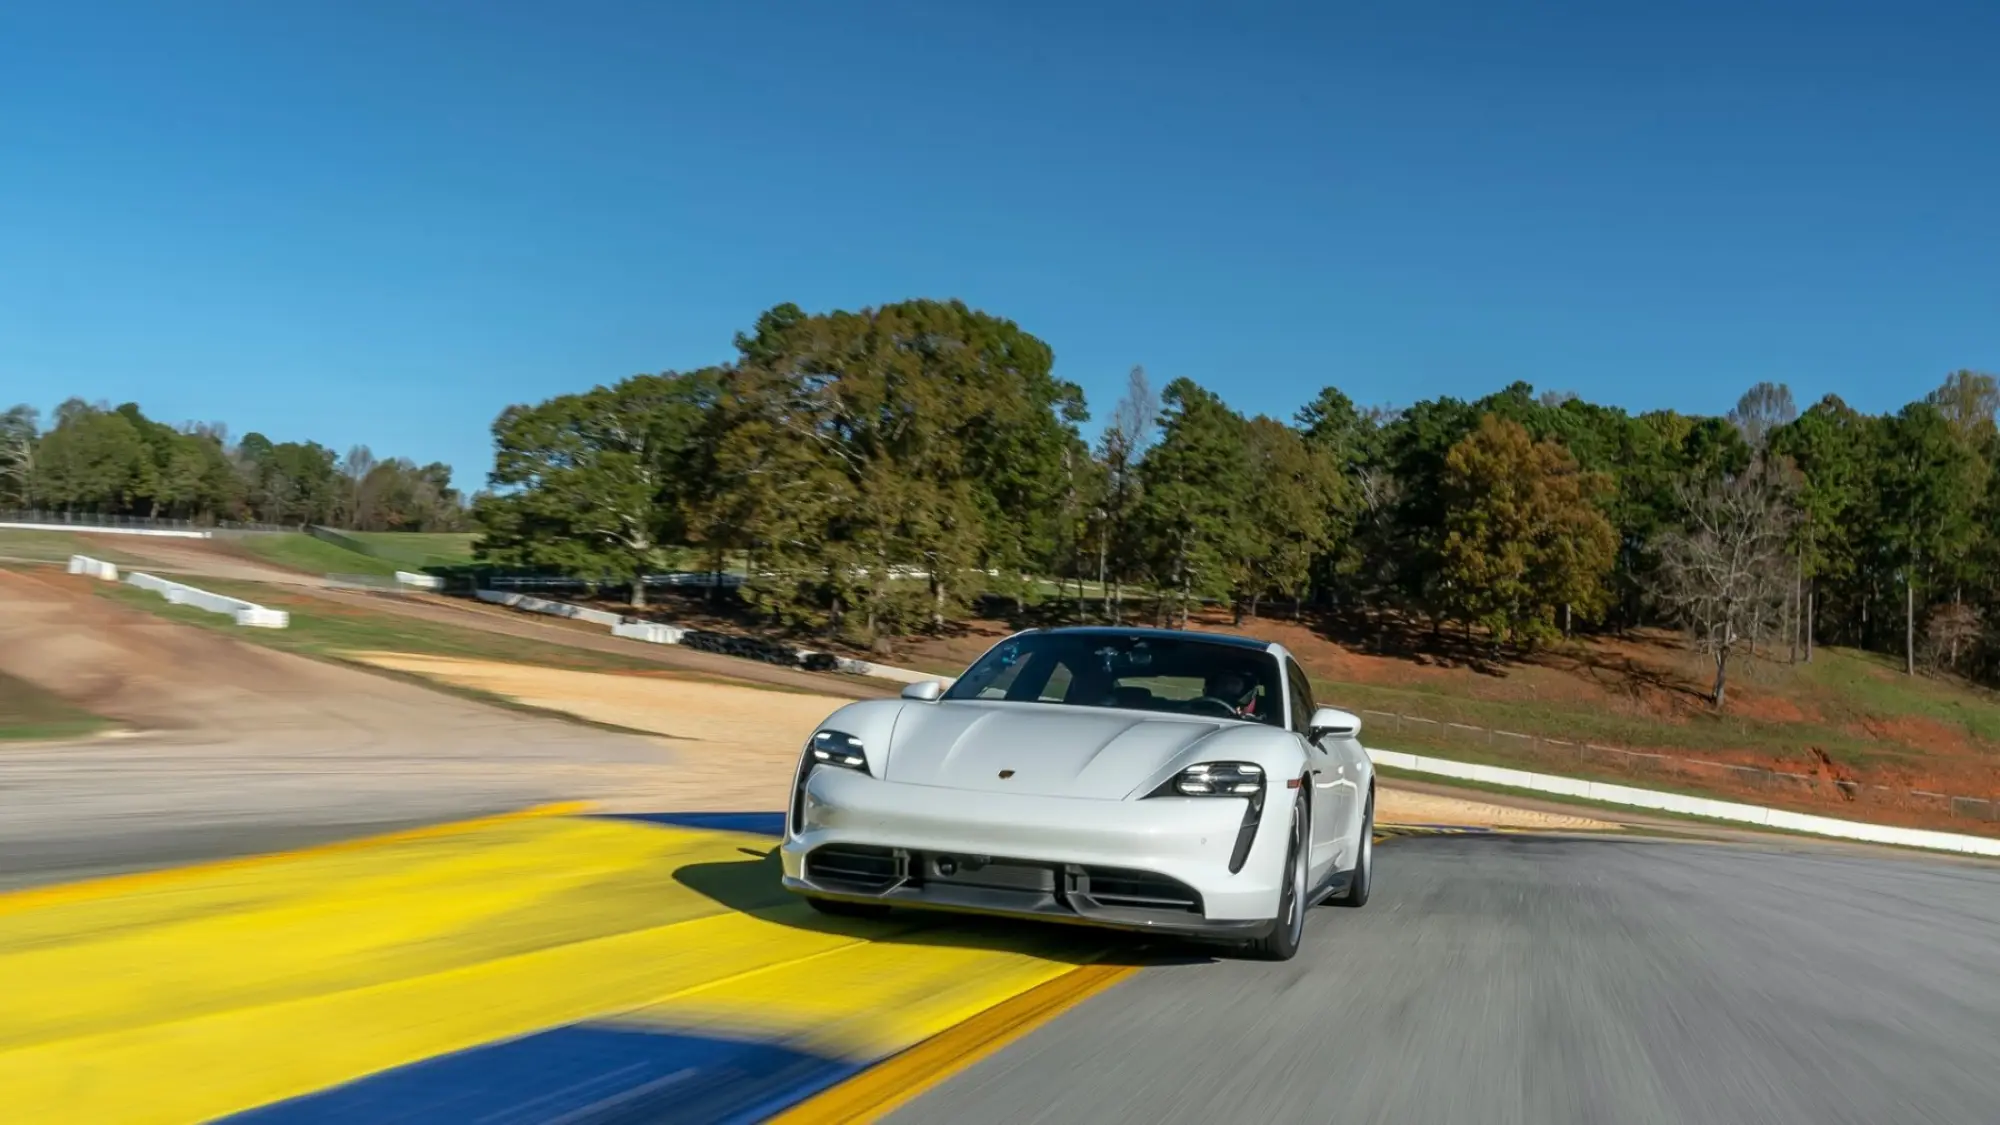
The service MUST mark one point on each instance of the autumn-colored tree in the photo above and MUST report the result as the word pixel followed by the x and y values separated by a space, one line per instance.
pixel 1524 543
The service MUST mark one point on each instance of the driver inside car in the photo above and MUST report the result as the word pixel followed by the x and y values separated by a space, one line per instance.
pixel 1238 689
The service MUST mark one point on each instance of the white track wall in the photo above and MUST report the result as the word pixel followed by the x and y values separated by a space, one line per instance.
pixel 93 529
pixel 659 633
pixel 1692 806
pixel 243 613
pixel 96 568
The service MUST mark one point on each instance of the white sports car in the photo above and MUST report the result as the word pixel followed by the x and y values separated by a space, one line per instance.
pixel 1145 779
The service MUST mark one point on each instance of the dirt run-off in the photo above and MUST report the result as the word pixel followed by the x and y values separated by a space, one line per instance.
pixel 735 747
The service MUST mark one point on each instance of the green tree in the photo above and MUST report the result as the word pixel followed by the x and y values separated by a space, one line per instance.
pixel 923 440
pixel 1197 497
pixel 1523 539
pixel 93 461
pixel 20 430
pixel 1298 500
pixel 597 483
pixel 1830 446
pixel 1933 483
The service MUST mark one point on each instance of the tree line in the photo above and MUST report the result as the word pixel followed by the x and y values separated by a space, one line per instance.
pixel 97 460
pixel 875 472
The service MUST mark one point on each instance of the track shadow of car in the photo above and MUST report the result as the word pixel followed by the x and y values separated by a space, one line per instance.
pixel 751 885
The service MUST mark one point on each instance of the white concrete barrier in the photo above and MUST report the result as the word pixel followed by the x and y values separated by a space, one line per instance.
pixel 652 632
pixel 1693 806
pixel 93 529
pixel 554 609
pixel 420 581
pixel 888 672
pixel 179 593
pixel 660 633
pixel 96 568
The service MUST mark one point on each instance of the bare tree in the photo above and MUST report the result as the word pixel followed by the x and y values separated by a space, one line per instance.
pixel 1133 423
pixel 1724 571
pixel 1763 408
pixel 1954 628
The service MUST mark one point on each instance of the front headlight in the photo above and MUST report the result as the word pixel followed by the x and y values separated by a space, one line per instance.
pixel 824 748
pixel 836 748
pixel 1217 779
pixel 1224 779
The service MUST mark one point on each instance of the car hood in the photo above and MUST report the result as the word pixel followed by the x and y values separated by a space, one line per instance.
pixel 1047 750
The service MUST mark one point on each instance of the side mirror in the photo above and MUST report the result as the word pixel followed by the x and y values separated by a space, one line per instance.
pixel 1331 722
pixel 927 691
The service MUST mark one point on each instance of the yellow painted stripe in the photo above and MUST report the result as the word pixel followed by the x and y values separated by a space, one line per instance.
pixel 879 1090
pixel 241 985
pixel 30 897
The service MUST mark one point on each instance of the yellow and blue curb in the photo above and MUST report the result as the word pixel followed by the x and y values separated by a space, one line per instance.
pixel 546 968
pixel 538 967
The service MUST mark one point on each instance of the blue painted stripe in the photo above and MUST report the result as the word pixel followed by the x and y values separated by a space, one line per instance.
pixel 755 823
pixel 585 1074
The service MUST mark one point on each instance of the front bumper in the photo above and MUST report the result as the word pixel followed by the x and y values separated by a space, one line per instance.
pixel 1159 864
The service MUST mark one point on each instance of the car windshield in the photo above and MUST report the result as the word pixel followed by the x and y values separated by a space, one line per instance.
pixel 1176 675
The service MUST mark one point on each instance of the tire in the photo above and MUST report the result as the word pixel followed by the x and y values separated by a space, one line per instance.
pixel 1356 894
pixel 840 908
pixel 1282 943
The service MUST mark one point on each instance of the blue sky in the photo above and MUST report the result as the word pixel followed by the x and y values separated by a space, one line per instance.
pixel 382 222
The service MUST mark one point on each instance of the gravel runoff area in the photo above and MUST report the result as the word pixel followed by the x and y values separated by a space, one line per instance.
pixel 736 746
pixel 238 749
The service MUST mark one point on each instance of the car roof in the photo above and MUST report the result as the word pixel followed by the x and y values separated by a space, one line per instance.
pixel 1230 639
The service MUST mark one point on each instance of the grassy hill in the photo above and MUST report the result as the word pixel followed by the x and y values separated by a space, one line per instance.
pixel 380 553
pixel 1850 721
pixel 57 546
pixel 27 711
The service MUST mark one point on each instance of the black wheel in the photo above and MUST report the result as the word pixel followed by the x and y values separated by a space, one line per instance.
pixel 1282 943
pixel 840 908
pixel 1356 893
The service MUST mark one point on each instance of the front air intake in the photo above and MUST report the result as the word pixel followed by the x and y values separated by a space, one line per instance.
pixel 856 867
pixel 1135 890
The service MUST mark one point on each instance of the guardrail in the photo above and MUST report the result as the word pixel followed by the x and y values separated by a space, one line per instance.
pixel 1671 766
pixel 1733 811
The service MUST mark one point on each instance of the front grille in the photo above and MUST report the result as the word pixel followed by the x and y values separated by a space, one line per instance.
pixel 1137 890
pixel 855 866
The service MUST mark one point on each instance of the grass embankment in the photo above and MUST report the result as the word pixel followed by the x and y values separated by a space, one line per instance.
pixel 1851 706
pixel 56 546
pixel 415 550
pixel 295 550
pixel 28 712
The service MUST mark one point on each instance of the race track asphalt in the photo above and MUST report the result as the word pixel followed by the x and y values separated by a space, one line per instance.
pixel 1553 981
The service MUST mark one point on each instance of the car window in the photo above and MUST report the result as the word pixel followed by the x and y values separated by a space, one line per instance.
pixel 1299 677
pixel 1180 675
pixel 1302 705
